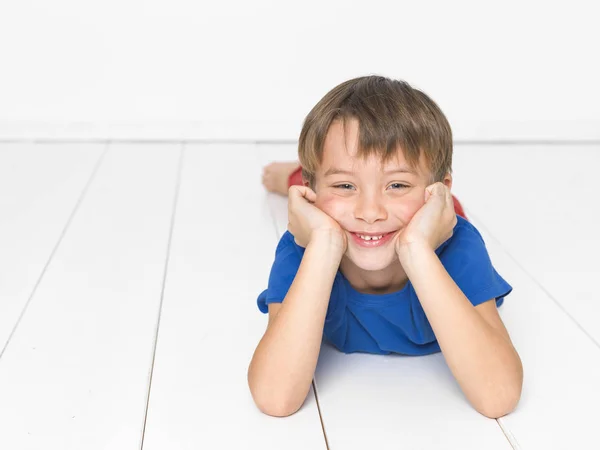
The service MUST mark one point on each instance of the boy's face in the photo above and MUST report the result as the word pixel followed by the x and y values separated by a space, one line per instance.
pixel 372 198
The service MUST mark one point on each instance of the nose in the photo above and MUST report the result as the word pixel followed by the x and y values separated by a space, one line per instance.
pixel 370 208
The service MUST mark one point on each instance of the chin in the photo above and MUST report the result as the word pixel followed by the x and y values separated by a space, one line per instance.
pixel 372 260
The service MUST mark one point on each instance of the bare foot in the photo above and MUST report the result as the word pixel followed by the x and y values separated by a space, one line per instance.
pixel 275 176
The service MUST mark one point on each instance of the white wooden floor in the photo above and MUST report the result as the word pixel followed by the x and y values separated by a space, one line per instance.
pixel 128 283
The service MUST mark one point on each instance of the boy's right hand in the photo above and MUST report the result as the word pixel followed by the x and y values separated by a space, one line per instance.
pixel 306 221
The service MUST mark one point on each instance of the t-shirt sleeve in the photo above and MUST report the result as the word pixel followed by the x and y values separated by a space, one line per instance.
pixel 288 256
pixel 468 263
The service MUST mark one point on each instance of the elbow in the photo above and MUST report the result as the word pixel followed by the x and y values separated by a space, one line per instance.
pixel 503 394
pixel 276 407
pixel 271 403
pixel 500 404
pixel 497 409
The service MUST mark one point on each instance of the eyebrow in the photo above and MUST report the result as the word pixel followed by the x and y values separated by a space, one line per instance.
pixel 336 171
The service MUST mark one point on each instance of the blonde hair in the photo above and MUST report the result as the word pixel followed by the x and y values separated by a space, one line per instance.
pixel 391 115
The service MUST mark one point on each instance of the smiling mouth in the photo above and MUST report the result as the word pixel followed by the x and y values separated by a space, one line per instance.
pixel 368 237
pixel 371 240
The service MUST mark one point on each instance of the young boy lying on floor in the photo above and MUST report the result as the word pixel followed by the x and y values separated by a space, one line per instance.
pixel 376 258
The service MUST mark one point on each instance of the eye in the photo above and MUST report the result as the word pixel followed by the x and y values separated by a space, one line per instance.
pixel 344 186
pixel 399 185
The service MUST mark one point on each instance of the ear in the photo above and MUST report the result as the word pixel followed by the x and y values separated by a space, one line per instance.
pixel 448 181
pixel 305 182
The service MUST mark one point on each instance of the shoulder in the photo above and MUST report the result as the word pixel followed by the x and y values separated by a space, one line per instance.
pixel 465 231
pixel 287 245
pixel 466 243
pixel 466 258
pixel 288 256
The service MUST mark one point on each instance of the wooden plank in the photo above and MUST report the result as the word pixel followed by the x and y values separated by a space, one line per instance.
pixel 541 203
pixel 222 250
pixel 76 372
pixel 375 401
pixel 40 186
pixel 559 404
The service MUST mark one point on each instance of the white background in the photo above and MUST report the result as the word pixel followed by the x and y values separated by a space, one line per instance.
pixel 253 69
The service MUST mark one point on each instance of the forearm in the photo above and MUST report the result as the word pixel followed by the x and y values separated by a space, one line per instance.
pixel 284 362
pixel 483 361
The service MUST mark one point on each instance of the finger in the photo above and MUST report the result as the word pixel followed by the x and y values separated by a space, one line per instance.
pixel 302 191
pixel 431 190
pixel 307 192
pixel 447 193
pixel 310 194
pixel 427 194
pixel 293 192
pixel 440 189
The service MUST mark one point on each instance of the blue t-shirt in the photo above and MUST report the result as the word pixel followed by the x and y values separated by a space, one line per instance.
pixel 394 322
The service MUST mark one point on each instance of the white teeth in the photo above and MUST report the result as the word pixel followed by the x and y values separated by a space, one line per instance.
pixel 369 238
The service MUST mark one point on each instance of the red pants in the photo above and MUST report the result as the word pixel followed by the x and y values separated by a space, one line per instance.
pixel 295 179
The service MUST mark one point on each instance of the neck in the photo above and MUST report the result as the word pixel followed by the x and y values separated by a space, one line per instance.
pixel 391 279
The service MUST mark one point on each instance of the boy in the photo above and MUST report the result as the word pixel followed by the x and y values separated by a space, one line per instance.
pixel 375 258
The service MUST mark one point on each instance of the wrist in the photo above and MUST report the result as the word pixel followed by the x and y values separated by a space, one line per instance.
pixel 331 240
pixel 411 251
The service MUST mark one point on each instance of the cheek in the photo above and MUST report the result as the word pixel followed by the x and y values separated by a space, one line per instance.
pixel 414 205
pixel 408 207
pixel 332 205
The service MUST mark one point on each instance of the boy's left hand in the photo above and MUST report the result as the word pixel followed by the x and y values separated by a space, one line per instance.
pixel 433 223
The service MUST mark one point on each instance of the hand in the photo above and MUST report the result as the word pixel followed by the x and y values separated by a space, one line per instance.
pixel 433 224
pixel 305 220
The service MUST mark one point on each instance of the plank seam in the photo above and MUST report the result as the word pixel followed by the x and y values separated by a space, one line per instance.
pixel 162 292
pixel 279 233
pixel 509 436
pixel 320 415
pixel 54 250
pixel 276 141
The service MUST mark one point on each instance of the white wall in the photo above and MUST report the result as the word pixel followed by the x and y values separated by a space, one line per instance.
pixel 249 70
